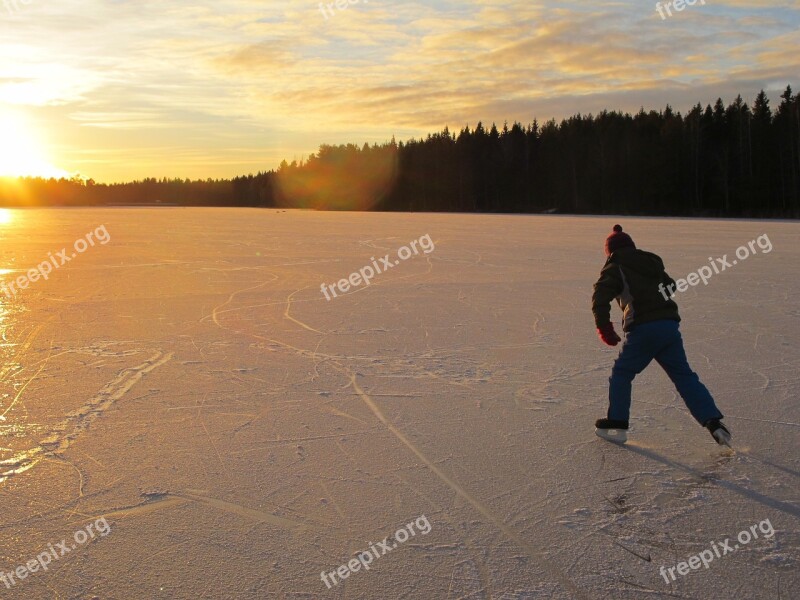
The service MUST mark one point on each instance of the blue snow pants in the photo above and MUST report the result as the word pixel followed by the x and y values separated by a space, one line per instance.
pixel 662 341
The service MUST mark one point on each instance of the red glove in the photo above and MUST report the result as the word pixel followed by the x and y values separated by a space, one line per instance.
pixel 608 335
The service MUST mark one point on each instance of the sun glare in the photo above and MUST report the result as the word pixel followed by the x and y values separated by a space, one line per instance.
pixel 21 153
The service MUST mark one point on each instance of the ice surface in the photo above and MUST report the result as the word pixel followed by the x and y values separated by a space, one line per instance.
pixel 189 382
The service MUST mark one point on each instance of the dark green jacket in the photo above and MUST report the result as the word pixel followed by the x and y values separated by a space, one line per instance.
pixel 632 278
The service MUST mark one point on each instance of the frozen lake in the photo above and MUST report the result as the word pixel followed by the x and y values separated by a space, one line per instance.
pixel 184 381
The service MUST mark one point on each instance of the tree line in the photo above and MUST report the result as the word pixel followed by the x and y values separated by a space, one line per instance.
pixel 734 160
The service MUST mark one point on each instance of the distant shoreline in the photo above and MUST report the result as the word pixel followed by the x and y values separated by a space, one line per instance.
pixel 612 217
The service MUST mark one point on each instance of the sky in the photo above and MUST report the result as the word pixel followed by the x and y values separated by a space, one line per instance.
pixel 118 90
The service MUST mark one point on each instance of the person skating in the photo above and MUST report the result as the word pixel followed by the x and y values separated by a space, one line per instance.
pixel 651 325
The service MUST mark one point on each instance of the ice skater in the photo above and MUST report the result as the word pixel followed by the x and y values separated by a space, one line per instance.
pixel 650 322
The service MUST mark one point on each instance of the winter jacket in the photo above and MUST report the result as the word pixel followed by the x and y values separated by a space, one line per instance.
pixel 633 277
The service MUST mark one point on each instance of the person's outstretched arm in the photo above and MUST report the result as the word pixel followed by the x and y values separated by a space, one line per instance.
pixel 608 287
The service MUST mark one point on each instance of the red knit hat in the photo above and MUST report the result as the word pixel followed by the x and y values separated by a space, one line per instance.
pixel 618 240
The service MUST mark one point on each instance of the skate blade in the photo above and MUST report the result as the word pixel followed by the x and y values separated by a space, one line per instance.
pixel 723 438
pixel 618 436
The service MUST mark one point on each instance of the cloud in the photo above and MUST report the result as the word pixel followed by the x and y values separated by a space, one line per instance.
pixel 222 81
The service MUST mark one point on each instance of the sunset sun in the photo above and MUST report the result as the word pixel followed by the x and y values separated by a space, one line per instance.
pixel 21 151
